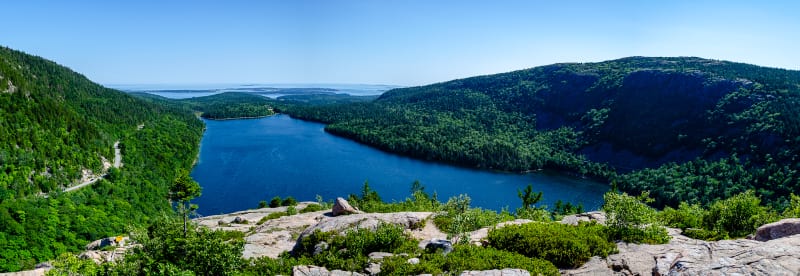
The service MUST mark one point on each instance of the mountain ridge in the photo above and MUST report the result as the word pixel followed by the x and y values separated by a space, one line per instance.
pixel 622 120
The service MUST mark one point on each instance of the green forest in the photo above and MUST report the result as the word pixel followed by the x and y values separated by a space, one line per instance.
pixel 688 134
pixel 685 129
pixel 54 123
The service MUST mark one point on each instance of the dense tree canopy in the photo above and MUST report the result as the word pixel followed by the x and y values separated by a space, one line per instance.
pixel 55 123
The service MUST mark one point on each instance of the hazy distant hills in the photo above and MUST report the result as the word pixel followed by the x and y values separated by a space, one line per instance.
pixel 702 128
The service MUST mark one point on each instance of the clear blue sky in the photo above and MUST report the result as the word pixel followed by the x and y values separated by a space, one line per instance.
pixel 384 42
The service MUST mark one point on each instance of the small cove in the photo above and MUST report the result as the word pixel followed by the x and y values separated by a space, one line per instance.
pixel 245 161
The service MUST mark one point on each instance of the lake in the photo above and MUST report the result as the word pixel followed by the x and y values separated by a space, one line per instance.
pixel 245 161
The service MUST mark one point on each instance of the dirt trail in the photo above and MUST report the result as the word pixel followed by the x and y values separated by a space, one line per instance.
pixel 117 164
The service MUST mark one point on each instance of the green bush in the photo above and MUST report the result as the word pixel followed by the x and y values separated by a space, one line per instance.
pixel 565 246
pixel 458 218
pixel 349 251
pixel 534 214
pixel 631 220
pixel 738 216
pixel 686 216
pixel 269 266
pixel 793 210
pixel 165 249
pixel 371 202
pixel 275 202
pixel 311 208
pixel 70 264
pixel 291 211
pixel 274 216
pixel 289 201
pixel 467 257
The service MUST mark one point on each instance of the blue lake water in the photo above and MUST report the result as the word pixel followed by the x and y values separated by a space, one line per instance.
pixel 245 161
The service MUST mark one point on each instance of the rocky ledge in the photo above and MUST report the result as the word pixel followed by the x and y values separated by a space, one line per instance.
pixel 774 250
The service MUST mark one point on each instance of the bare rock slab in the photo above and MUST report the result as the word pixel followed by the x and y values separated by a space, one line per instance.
pixel 779 229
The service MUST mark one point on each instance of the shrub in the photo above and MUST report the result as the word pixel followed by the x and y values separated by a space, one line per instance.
pixel 167 250
pixel 686 216
pixel 370 201
pixel 262 204
pixel 565 246
pixel 467 257
pixel 272 216
pixel 311 208
pixel 793 211
pixel 563 209
pixel 534 214
pixel 70 264
pixel 275 202
pixel 289 201
pixel 738 216
pixel 457 218
pixel 631 220
pixel 349 251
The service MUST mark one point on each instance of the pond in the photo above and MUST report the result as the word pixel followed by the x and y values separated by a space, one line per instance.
pixel 245 161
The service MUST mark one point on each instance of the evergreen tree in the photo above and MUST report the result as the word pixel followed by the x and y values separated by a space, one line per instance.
pixel 184 189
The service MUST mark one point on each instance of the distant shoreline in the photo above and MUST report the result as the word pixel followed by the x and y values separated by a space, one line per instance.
pixel 239 118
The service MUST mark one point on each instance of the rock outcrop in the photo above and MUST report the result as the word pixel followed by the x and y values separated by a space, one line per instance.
pixel 110 241
pixel 686 256
pixel 266 238
pixel 342 207
pixel 596 216
pixel 779 229
pixel 407 220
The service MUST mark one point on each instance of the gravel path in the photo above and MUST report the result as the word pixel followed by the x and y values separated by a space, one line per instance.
pixel 117 164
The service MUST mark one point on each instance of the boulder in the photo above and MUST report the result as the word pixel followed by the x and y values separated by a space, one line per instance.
pixel 98 244
pixel 342 207
pixel 497 272
pixel 239 220
pixel 92 255
pixel 319 248
pixel 779 229
pixel 413 261
pixel 309 270
pixel 110 241
pixel 596 216
pixel 378 256
pixel 373 269
pixel 435 244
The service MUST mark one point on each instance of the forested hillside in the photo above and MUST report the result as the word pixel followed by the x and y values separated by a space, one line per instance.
pixel 54 123
pixel 686 129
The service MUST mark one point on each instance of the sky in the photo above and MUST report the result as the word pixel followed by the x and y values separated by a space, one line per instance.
pixel 384 42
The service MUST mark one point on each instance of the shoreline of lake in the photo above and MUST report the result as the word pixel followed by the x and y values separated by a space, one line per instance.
pixel 242 162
